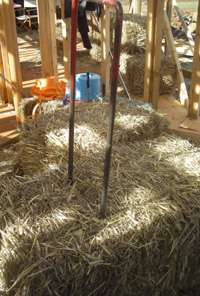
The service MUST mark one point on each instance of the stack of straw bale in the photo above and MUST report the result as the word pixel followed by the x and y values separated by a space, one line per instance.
pixel 132 58
pixel 133 37
pixel 52 239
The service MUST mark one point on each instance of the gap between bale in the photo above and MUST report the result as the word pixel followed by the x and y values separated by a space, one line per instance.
pixel 52 240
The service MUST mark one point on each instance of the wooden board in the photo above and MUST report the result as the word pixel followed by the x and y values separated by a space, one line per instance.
pixel 48 47
pixel 6 70
pixel 183 95
pixel 189 35
pixel 8 131
pixel 150 50
pixel 189 129
pixel 169 15
pixel 8 18
pixel 174 111
pixel 187 73
pixel 66 34
pixel 194 106
pixel 158 52
pixel 177 115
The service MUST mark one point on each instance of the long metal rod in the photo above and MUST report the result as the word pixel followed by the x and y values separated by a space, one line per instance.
pixel 110 52
pixel 18 90
pixel 115 70
pixel 72 89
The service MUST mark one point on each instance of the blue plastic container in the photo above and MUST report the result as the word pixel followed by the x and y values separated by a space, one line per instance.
pixel 81 87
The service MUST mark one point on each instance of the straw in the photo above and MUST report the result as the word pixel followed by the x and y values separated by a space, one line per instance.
pixel 52 239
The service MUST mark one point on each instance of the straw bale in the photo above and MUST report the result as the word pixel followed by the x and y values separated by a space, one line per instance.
pixel 133 33
pixel 95 38
pixel 93 29
pixel 134 76
pixel 123 63
pixel 26 107
pixel 95 51
pixel 52 239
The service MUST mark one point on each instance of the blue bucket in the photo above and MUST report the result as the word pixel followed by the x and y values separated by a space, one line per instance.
pixel 81 87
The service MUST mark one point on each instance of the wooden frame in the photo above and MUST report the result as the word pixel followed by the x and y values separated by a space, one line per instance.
pixel 66 34
pixel 194 106
pixel 46 8
pixel 2 82
pixel 48 47
pixel 8 19
pixel 172 49
pixel 135 6
pixel 153 52
pixel 8 97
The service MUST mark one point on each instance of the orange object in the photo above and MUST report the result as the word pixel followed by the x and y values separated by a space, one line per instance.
pixel 46 82
pixel 46 89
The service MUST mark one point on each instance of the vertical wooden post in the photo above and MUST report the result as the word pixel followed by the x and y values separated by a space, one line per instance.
pixel 150 50
pixel 135 7
pixel 138 7
pixel 194 102
pixel 66 34
pixel 47 32
pixel 2 82
pixel 5 66
pixel 157 53
pixel 153 51
pixel 12 48
pixel 105 47
pixel 169 14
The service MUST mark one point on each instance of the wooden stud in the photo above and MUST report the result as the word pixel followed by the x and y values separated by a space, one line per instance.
pixel 169 10
pixel 105 47
pixel 183 95
pixel 5 66
pixel 138 7
pixel 47 32
pixel 66 34
pixel 2 82
pixel 135 7
pixel 131 5
pixel 149 55
pixel 157 53
pixel 195 81
pixel 8 16
pixel 169 15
